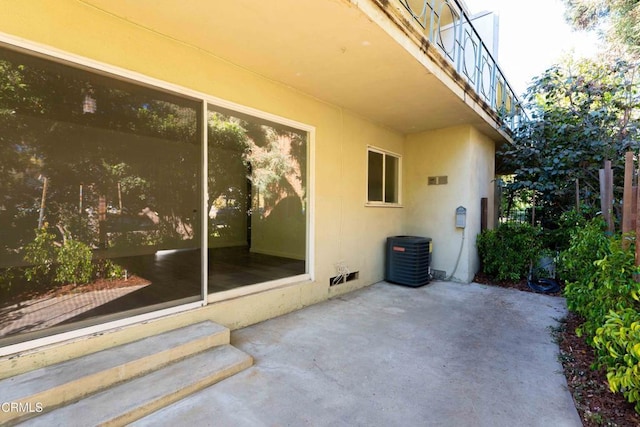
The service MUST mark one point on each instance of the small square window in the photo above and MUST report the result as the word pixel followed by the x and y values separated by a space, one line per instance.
pixel 383 177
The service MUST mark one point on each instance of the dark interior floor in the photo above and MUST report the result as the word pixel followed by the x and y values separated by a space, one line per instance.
pixel 175 276
pixel 230 268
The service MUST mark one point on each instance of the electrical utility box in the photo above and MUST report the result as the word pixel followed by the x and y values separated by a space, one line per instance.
pixel 408 260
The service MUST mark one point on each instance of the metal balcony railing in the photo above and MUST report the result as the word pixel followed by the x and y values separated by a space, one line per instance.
pixel 447 26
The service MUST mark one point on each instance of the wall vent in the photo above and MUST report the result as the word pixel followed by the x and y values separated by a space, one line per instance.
pixel 437 180
pixel 338 280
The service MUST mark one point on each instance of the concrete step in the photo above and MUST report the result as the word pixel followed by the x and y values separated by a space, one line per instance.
pixel 139 397
pixel 44 389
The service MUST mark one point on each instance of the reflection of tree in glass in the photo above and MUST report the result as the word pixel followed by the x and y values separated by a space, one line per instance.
pixel 227 182
pixel 272 158
pixel 226 154
pixel 278 167
pixel 18 206
pixel 134 149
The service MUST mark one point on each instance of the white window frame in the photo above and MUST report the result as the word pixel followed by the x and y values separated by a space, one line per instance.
pixel 384 153
pixel 56 55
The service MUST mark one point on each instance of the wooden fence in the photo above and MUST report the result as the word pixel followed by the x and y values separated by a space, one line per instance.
pixel 630 199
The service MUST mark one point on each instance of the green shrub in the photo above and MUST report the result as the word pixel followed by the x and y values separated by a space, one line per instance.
pixel 602 271
pixel 41 255
pixel 612 288
pixel 618 344
pixel 588 244
pixel 507 251
pixel 577 266
pixel 69 263
pixel 602 289
pixel 107 269
pixel 558 234
pixel 74 263
pixel 7 279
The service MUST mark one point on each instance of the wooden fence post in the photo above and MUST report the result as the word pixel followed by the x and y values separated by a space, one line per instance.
pixel 533 209
pixel 637 229
pixel 577 195
pixel 484 213
pixel 627 196
pixel 606 195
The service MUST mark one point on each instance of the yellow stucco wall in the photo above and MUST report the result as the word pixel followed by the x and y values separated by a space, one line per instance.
pixel 482 178
pixel 466 158
pixel 359 232
pixel 345 230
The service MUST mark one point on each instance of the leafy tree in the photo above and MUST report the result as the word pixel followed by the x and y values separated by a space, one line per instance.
pixel 582 113
pixel 619 18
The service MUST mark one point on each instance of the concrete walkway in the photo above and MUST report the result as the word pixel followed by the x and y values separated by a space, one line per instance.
pixel 446 354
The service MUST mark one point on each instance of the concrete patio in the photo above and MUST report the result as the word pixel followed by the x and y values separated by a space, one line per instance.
pixel 446 354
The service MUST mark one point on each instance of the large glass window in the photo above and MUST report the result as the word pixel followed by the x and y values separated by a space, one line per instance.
pixel 101 198
pixel 257 201
pixel 100 189
pixel 383 177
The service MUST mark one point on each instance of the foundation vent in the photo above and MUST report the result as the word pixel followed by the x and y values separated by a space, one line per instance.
pixel 343 278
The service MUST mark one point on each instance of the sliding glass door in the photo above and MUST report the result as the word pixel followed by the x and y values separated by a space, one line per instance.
pixel 100 189
pixel 257 212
